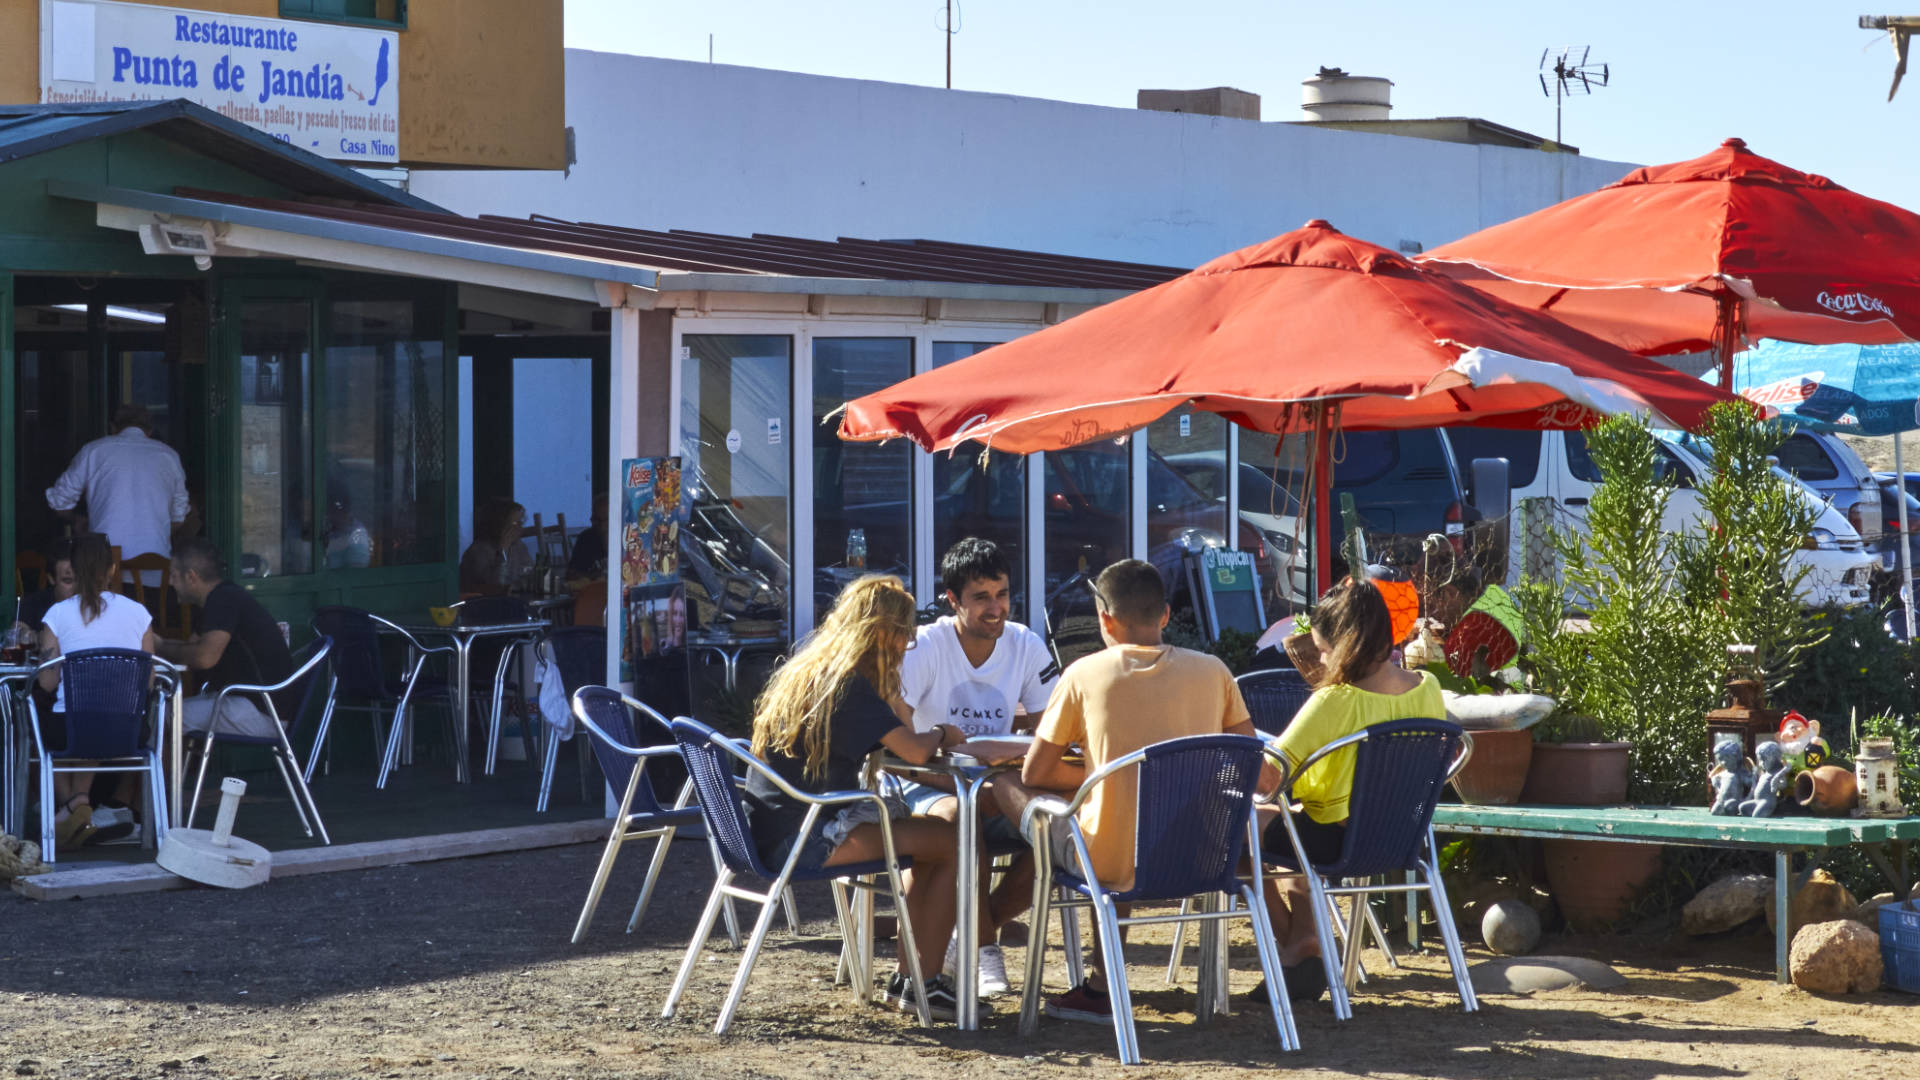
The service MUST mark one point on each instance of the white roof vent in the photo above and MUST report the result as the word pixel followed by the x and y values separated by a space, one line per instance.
pixel 1335 95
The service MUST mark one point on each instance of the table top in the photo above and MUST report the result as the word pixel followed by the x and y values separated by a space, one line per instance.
pixel 528 626
pixel 1684 824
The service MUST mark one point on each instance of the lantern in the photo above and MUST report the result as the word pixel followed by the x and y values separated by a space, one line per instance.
pixel 1877 772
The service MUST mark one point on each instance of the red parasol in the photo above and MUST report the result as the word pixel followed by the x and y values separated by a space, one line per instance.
pixel 1708 254
pixel 1309 330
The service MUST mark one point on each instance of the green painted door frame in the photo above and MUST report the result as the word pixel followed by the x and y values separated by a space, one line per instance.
pixel 8 425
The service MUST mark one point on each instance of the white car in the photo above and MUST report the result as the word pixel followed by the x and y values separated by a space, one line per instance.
pixel 1555 465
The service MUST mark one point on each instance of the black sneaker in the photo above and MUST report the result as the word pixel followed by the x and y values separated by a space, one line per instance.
pixel 941 1002
pixel 1306 981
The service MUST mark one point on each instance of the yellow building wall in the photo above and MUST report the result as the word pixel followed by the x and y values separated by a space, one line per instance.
pixel 482 82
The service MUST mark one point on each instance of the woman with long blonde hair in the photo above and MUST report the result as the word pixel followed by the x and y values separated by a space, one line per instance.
pixel 824 711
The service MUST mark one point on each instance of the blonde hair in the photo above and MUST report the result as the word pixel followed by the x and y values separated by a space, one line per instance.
pixel 865 634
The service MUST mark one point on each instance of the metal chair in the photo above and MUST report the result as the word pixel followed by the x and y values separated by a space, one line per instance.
pixel 1400 769
pixel 580 652
pixel 497 655
pixel 710 759
pixel 1195 819
pixel 624 734
pixel 1272 697
pixel 301 682
pixel 356 671
pixel 109 697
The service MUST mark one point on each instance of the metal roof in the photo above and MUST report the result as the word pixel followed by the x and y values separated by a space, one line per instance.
pixel 26 130
pixel 759 255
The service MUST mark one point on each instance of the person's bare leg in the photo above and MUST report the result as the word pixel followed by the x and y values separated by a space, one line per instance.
pixel 1290 910
pixel 930 899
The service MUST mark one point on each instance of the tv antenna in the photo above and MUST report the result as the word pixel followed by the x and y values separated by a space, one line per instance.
pixel 950 25
pixel 1568 73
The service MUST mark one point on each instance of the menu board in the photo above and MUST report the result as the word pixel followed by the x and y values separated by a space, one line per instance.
pixel 1229 583
pixel 653 601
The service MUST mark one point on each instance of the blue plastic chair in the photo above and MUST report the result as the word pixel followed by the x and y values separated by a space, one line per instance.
pixel 108 694
pixel 1194 820
pixel 580 652
pixel 1273 697
pixel 1400 769
pixel 625 734
pixel 302 682
pixel 358 672
pixel 710 758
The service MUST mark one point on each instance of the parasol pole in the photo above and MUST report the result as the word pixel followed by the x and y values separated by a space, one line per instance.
pixel 1322 501
pixel 1906 542
pixel 1726 324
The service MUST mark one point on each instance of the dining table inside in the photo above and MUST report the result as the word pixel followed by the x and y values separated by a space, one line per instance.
pixel 461 638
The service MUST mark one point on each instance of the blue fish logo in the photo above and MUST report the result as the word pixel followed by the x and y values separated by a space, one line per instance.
pixel 379 74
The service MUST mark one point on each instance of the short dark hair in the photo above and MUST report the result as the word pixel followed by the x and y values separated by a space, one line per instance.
pixel 1132 591
pixel 198 554
pixel 132 414
pixel 58 550
pixel 971 560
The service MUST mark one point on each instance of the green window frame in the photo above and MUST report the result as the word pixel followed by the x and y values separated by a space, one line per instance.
pixel 386 14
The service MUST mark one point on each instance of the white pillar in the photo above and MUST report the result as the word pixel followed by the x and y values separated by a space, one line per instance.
pixel 623 441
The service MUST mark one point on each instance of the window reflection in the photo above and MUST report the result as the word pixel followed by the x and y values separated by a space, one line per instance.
pixel 734 419
pixel 385 497
pixel 972 499
pixel 862 492
pixel 1186 494
pixel 276 518
pixel 1086 529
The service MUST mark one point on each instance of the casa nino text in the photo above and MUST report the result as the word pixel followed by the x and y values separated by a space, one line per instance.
pixel 276 81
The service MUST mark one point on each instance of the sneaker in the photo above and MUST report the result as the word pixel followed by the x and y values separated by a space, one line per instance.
pixel 1082 1003
pixel 73 830
pixel 112 825
pixel 992 981
pixel 1306 981
pixel 128 833
pixel 941 1003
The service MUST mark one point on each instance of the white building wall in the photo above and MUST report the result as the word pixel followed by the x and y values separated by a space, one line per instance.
pixel 675 144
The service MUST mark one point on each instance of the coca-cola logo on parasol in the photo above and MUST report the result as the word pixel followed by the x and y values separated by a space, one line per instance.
pixel 1853 303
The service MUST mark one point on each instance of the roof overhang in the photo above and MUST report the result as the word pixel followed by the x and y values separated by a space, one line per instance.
pixel 253 232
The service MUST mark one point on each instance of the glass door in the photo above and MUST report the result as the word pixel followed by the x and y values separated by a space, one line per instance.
pixel 9 460
pixel 265 407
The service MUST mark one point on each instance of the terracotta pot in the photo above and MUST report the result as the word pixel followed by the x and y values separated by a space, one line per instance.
pixel 1829 790
pixel 1595 881
pixel 1498 768
pixel 1577 774
pixel 1306 657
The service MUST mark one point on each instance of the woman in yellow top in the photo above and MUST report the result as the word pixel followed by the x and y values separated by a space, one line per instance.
pixel 1360 687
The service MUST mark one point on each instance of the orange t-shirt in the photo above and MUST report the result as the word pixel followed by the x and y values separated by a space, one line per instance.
pixel 1123 698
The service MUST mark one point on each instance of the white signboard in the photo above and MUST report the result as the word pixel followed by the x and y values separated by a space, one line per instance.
pixel 333 90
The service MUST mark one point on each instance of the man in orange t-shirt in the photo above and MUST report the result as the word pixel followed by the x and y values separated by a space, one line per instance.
pixel 1136 692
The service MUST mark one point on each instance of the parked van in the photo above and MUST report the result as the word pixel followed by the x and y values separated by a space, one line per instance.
pixel 1555 465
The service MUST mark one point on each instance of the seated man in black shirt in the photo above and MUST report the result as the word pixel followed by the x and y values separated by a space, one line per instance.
pixel 58 586
pixel 239 643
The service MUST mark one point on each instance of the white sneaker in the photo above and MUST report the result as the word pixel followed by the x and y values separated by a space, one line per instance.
pixel 993 968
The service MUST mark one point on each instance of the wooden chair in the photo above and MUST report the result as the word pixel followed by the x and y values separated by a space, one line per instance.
pixel 549 541
pixel 23 562
pixel 133 571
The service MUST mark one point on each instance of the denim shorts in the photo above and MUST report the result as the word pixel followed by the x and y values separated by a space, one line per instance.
pixel 996 831
pixel 821 845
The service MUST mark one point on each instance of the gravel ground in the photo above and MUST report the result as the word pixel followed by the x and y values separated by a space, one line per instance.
pixel 462 969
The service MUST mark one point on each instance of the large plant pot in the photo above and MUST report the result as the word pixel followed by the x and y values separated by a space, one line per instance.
pixel 1577 774
pixel 1497 771
pixel 1595 881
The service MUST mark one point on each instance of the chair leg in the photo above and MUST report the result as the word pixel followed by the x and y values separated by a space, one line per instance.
pixel 297 787
pixel 1450 933
pixel 768 909
pixel 1070 942
pixel 1036 953
pixel 398 732
pixel 653 877
pixel 791 909
pixel 608 853
pixel 49 850
pixel 903 936
pixel 1269 953
pixel 733 916
pixel 1179 943
pixel 320 733
pixel 849 944
pixel 200 776
pixel 1379 934
pixel 546 770
pixel 699 942
pixel 299 807
pixel 1106 921
pixel 1329 952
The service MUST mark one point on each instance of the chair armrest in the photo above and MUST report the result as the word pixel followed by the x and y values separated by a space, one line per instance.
pixel 1045 806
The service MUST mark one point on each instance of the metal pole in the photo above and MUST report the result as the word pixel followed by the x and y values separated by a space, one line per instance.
pixel 1322 502
pixel 949 44
pixel 1906 553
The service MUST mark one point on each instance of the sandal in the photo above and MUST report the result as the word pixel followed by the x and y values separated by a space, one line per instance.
pixel 71 832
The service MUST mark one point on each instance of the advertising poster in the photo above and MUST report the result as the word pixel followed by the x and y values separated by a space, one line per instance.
pixel 653 511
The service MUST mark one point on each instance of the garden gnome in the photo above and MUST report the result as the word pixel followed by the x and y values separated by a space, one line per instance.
pixel 1729 778
pixel 1771 774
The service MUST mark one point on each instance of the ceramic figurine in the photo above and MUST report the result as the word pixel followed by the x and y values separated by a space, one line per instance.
pixel 1729 778
pixel 1801 742
pixel 1771 775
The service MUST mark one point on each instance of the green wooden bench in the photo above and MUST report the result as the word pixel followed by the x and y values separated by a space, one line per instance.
pixel 1784 837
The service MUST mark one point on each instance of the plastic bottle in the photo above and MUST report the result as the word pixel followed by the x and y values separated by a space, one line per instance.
pixel 856 549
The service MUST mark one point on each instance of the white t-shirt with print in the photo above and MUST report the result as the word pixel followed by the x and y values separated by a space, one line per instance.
pixel 942 687
pixel 121 624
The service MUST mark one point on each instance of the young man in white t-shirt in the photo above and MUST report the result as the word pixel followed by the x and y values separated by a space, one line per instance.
pixel 981 672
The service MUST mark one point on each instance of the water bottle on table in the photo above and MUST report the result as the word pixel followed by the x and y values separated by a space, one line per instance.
pixel 856 549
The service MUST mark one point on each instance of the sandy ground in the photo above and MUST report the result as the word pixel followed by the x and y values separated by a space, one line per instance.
pixel 462 969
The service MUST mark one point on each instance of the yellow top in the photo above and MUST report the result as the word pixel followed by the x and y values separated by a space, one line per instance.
pixel 1334 712
pixel 1123 698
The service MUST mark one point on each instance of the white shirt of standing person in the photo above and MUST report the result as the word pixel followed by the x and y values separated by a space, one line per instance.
pixel 941 687
pixel 135 490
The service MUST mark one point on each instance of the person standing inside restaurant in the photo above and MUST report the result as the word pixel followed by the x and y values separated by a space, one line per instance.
pixel 96 616
pixel 1135 692
pixel 238 643
pixel 134 488
pixel 976 669
pixel 824 712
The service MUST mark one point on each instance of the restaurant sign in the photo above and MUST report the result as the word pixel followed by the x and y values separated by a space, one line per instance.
pixel 332 90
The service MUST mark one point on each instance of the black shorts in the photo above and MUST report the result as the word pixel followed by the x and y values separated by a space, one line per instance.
pixel 1324 843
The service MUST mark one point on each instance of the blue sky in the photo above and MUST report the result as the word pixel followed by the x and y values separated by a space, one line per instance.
pixel 1796 78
